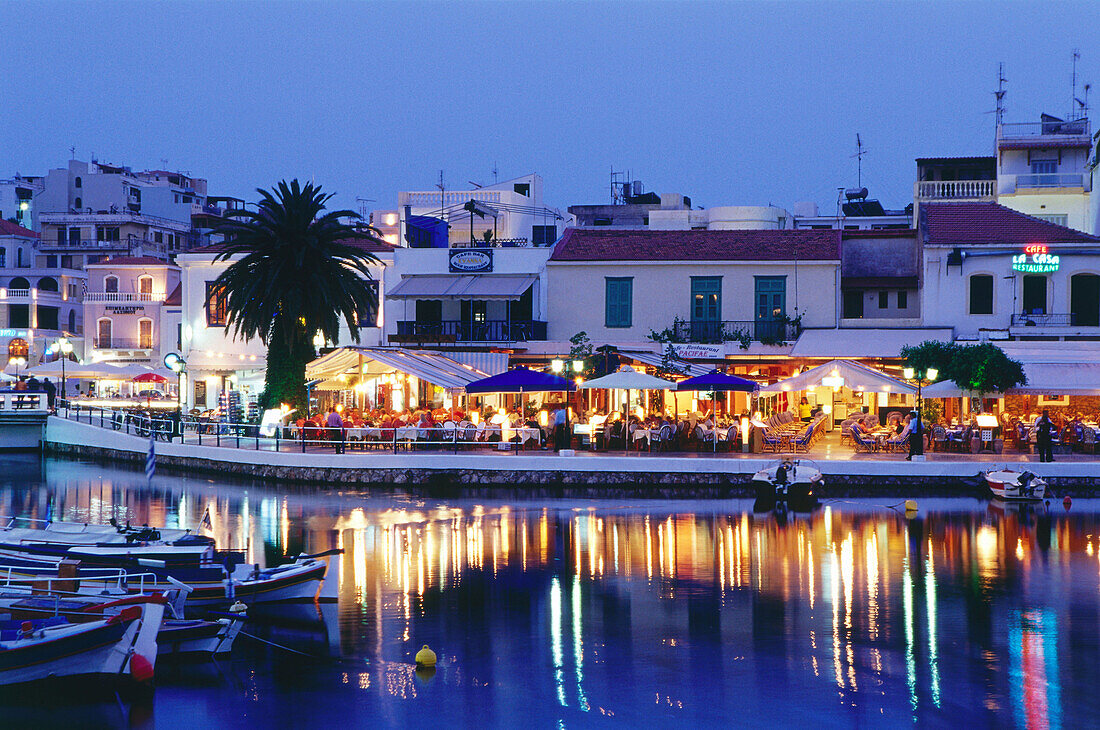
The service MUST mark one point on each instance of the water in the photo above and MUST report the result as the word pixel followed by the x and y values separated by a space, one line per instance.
pixel 578 613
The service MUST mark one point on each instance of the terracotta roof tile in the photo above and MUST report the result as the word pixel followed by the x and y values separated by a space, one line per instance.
pixel 7 228
pixel 134 261
pixel 175 299
pixel 975 224
pixel 582 244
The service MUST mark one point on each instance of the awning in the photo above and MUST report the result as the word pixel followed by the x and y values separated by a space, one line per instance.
pixel 462 286
pixel 627 378
pixel 431 367
pixel 849 374
pixel 202 360
pixel 860 342
pixel 657 360
pixel 1043 378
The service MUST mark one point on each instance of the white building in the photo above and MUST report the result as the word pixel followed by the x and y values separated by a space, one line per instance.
pixel 124 307
pixel 17 200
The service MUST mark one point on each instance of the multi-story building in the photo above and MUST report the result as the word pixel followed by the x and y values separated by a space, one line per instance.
pixel 39 301
pixel 17 200
pixel 124 307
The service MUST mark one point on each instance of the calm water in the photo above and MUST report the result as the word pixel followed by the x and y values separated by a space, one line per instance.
pixel 579 613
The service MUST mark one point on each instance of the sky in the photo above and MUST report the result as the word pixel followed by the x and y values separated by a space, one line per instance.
pixel 731 103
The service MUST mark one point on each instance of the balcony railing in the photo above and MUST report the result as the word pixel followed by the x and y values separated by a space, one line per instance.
pixel 114 296
pixel 493 330
pixel 17 294
pixel 122 343
pixel 1051 180
pixel 1076 128
pixel 762 330
pixel 957 189
pixel 495 243
pixel 1044 320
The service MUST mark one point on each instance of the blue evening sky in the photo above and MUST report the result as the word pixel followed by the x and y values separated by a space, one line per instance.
pixel 729 103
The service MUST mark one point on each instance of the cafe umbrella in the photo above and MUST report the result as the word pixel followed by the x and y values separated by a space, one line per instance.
pixel 718 381
pixel 628 379
pixel 521 380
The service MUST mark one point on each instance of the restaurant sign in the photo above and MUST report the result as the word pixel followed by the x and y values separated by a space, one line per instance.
pixel 699 352
pixel 13 333
pixel 470 261
pixel 1035 260
pixel 123 309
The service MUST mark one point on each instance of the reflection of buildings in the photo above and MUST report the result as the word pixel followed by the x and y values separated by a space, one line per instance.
pixel 598 609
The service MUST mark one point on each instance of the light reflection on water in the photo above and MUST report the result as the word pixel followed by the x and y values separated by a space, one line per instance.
pixel 565 611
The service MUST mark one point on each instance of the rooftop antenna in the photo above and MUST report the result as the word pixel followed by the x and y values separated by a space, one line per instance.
pixel 72 151
pixel 619 182
pixel 363 206
pixel 1000 93
pixel 495 172
pixel 442 189
pixel 860 152
pixel 164 163
pixel 1073 97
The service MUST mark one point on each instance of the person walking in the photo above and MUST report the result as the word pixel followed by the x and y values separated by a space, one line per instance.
pixel 335 429
pixel 1044 436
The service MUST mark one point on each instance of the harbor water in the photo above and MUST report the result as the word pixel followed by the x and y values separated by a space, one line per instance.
pixel 578 613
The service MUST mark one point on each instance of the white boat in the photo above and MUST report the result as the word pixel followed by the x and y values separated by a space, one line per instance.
pixel 1015 486
pixel 788 480
pixel 54 532
pixel 123 645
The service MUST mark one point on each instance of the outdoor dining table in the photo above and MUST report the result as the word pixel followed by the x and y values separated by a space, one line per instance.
pixel 364 433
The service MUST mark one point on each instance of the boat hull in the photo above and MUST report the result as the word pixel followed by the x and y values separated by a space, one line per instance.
pixel 1011 486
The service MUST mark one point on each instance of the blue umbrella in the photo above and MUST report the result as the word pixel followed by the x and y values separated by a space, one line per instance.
pixel 715 380
pixel 521 380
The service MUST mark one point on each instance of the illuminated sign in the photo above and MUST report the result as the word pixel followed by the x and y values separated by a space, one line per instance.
pixel 467 261
pixel 1035 260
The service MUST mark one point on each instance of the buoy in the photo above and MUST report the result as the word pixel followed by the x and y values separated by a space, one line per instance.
pixel 425 657
pixel 910 505
pixel 238 607
pixel 1066 501
pixel 141 669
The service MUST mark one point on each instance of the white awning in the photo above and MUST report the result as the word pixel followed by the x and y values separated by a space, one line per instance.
pixel 627 378
pixel 431 367
pixel 657 360
pixel 848 374
pixel 201 360
pixel 863 342
pixel 462 286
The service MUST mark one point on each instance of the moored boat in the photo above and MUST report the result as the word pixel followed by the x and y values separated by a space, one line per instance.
pixel 1015 486
pixel 790 481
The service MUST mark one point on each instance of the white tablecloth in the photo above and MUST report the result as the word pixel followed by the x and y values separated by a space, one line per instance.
pixel 364 433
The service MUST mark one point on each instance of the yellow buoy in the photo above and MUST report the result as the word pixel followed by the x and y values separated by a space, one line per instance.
pixel 910 505
pixel 425 657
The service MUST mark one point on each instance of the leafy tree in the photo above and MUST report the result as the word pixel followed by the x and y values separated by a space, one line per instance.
pixel 932 354
pixel 298 273
pixel 985 369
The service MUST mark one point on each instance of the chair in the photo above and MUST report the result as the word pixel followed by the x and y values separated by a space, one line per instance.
pixel 939 436
pixel 665 437
pixel 861 440
pixel 803 440
pixel 771 440
pixel 1088 441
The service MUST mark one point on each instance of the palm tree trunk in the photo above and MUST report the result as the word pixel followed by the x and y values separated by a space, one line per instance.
pixel 287 356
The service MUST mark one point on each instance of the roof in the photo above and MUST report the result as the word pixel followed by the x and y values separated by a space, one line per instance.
pixel 175 299
pixel 475 286
pixel 856 376
pixel 7 228
pixel 880 233
pixel 981 158
pixel 878 282
pixel 742 245
pixel 962 224
pixel 1039 143
pixel 370 245
pixel 133 261
pixel 864 342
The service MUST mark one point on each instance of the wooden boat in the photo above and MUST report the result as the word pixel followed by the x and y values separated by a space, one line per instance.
pixel 789 481
pixel 122 645
pixel 1015 486
pixel 54 532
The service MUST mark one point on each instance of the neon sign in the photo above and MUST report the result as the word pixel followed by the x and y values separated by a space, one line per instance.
pixel 1035 260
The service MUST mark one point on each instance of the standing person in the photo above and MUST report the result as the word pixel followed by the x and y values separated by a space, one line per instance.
pixel 559 428
pixel 335 429
pixel 916 436
pixel 51 392
pixel 804 410
pixel 1044 433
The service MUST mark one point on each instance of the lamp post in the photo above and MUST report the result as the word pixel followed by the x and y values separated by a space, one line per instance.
pixel 177 364
pixel 62 348
pixel 920 375
pixel 18 362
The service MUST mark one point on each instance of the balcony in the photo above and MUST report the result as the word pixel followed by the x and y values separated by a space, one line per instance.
pixel 1050 128
pixel 956 190
pixel 449 331
pixel 122 343
pixel 1044 320
pixel 762 330
pixel 111 296
pixel 1051 180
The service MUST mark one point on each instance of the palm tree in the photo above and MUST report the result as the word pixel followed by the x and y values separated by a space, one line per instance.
pixel 297 274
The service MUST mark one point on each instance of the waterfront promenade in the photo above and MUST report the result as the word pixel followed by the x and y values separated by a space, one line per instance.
pixel 320 464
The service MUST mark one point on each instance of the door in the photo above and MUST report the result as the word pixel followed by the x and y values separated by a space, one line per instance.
pixel 706 308
pixel 429 316
pixel 853 303
pixel 145 334
pixel 1035 295
pixel 1084 300
pixel 103 341
pixel 771 303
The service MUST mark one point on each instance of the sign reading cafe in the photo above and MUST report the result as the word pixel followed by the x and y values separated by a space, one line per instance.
pixel 471 261
pixel 1035 260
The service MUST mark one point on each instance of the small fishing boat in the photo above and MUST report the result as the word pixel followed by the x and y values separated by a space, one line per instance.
pixel 1015 486
pixel 122 645
pixel 55 532
pixel 788 481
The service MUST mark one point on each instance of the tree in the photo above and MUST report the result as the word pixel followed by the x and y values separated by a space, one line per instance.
pixel 932 354
pixel 298 273
pixel 985 369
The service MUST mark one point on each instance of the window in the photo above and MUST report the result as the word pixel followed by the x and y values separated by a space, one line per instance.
pixel 74 236
pixel 981 294
pixel 903 299
pixel 853 303
pixel 429 310
pixel 19 283
pixel 103 333
pixel 51 261
pixel 706 298
pixel 1044 167
pixel 19 258
pixel 1035 295
pixel 543 235
pixel 106 233
pixel 78 203
pixel 19 316
pixel 522 188
pixel 366 314
pixel 619 301
pixel 216 301
pixel 158 237
pixel 77 183
pixel 145 334
pixel 73 291
pixel 72 322
pixel 110 284
pixel 883 299
pixel 18 348
pixel 66 262
pixel 145 285
pixel 3 257
pixel 601 222
pixel 47 318
pixel 1058 219
pixel 47 283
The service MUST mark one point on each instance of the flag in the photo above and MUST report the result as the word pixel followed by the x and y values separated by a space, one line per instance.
pixel 206 524
pixel 151 457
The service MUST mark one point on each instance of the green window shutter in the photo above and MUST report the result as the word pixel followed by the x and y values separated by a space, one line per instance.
pixel 618 306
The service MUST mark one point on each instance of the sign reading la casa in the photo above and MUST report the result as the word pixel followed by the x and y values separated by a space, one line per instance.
pixel 1035 259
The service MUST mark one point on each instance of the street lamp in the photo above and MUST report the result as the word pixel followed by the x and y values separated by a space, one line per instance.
pixel 63 348
pixel 177 364
pixel 919 375
pixel 18 362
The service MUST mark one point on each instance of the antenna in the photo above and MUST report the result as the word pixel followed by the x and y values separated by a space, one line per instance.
pixel 442 190
pixel 1073 97
pixel 363 206
pixel 164 163
pixel 1000 93
pixel 495 171
pixel 72 151
pixel 860 152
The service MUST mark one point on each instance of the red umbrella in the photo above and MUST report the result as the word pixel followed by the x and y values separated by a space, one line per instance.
pixel 150 378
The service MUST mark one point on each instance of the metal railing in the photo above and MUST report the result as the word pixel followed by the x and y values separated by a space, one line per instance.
pixel 492 330
pixel 111 296
pixel 957 189
pixel 1075 128
pixel 762 330
pixel 23 402
pixel 1044 320
pixel 494 243
pixel 1051 180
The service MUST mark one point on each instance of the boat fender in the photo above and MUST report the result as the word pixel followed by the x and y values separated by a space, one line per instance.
pixel 425 657
pixel 910 505
pixel 141 669
pixel 1067 501
pixel 238 607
